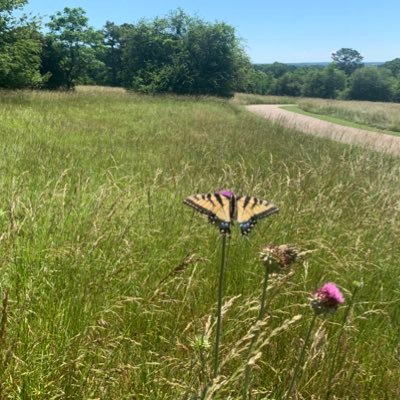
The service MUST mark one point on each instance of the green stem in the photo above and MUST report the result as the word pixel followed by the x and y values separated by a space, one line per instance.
pixel 333 361
pixel 219 306
pixel 261 313
pixel 263 295
pixel 301 358
pixel 149 205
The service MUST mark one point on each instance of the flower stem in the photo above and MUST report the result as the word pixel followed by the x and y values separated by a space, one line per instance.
pixel 261 313
pixel 333 361
pixel 219 306
pixel 263 294
pixel 301 358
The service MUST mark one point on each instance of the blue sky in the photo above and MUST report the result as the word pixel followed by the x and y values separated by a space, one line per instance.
pixel 272 30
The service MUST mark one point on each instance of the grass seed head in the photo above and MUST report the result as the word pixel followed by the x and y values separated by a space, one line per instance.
pixel 201 342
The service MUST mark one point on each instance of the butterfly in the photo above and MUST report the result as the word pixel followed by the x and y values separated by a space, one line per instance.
pixel 225 207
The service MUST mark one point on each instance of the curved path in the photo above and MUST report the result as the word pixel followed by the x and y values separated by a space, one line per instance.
pixel 373 140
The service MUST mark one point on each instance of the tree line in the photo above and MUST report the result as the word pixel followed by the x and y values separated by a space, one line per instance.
pixel 346 78
pixel 177 53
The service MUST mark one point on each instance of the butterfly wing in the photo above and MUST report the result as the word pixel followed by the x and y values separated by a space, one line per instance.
pixel 250 210
pixel 216 206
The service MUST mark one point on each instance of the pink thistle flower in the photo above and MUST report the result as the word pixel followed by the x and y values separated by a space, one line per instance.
pixel 327 299
pixel 227 193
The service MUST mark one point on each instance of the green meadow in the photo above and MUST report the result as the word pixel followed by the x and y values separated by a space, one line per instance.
pixel 366 115
pixel 382 116
pixel 108 282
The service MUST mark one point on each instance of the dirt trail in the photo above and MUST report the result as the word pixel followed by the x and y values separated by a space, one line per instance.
pixel 374 140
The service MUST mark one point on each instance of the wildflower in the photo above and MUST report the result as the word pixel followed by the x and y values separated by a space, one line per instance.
pixel 327 299
pixel 278 258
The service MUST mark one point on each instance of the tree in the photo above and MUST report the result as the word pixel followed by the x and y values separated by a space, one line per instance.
pixel 112 54
pixel 324 83
pixel 275 69
pixel 256 81
pixel 147 53
pixel 20 48
pixel 213 59
pixel 371 83
pixel 182 54
pixel 393 65
pixel 6 9
pixel 74 46
pixel 348 60
pixel 289 84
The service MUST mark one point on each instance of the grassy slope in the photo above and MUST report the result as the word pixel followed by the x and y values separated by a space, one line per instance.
pixel 247 99
pixel 373 116
pixel 92 220
pixel 382 116
pixel 338 121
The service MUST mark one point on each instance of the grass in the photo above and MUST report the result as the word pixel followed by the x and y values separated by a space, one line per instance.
pixel 336 120
pixel 381 116
pixel 371 116
pixel 108 279
pixel 247 99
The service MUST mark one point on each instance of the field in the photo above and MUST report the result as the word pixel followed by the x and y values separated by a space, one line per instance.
pixel 379 115
pixel 247 99
pixel 109 282
pixel 374 116
pixel 337 120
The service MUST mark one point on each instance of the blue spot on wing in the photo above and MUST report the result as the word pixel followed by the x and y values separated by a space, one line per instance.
pixel 246 227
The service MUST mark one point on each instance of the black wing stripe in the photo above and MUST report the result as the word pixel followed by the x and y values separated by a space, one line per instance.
pixel 205 206
pixel 210 199
pixel 197 207
pixel 219 199
pixel 246 201
pixel 266 213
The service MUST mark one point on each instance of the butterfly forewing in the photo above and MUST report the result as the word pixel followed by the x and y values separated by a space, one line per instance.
pixel 250 210
pixel 216 206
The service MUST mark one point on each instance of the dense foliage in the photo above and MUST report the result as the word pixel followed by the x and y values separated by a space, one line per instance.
pixel 177 53
pixel 348 60
pixel 20 48
pixel 374 83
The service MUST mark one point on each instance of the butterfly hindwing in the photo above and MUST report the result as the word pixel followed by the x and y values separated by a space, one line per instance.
pixel 250 210
pixel 216 206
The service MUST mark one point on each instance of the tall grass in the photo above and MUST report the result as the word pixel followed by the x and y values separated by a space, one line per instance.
pixel 379 115
pixel 247 99
pixel 109 279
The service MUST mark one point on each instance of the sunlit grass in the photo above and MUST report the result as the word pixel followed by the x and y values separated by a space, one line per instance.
pixel 374 116
pixel 336 120
pixel 247 99
pixel 110 279
pixel 385 116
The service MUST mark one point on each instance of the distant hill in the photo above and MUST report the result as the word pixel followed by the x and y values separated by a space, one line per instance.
pixel 318 64
pixel 323 64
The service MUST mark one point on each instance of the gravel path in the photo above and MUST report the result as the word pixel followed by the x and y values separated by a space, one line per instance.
pixel 374 140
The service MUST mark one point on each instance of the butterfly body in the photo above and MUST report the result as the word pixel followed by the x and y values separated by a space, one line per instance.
pixel 224 208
